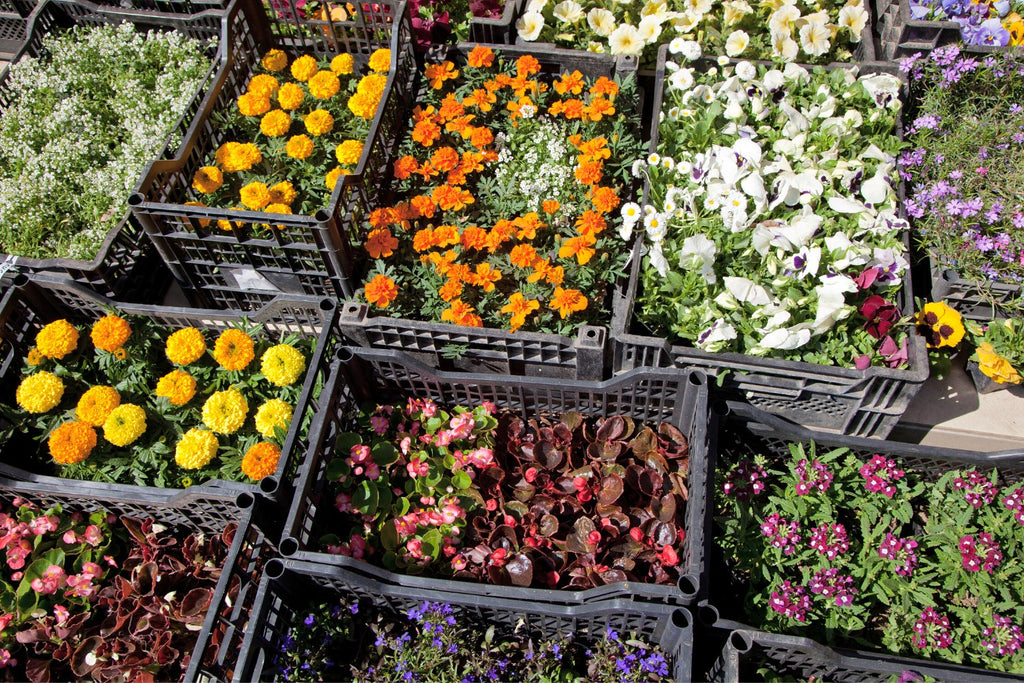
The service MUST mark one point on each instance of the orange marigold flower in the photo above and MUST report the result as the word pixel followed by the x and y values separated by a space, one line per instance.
pixel 442 262
pixel 460 125
pixel 426 133
pixel 110 333
pixel 593 150
pixel 550 205
pixel 499 234
pixel 605 199
pixel 437 74
pixel 444 159
pixel 380 243
pixel 71 443
pixel 573 109
pixel 446 236
pixel 474 237
pixel 589 172
pixel 557 107
pixel 450 198
pixel 481 137
pixel 598 109
pixel 528 225
pixel 456 177
pixel 261 460
pixel 555 276
pixel 527 65
pixel 405 211
pixel 472 162
pixel 605 86
pixel 481 56
pixel 582 247
pixel 423 239
pixel 427 170
pixel 234 349
pixel 382 217
pixel 405 167
pixel 567 301
pixel 460 313
pixel 381 291
pixel 424 205
pixel 485 276
pixel 523 256
pixel 452 289
pixel 590 223
pixel 521 85
pixel 481 99
pixel 571 83
pixel 520 307
pixel 421 114
pixel 450 108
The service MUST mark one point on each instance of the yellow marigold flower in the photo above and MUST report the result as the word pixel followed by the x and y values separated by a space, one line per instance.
pixel 176 386
pixel 227 226
pixel 34 357
pixel 110 333
pixel 96 405
pixel 255 195
pixel 40 393
pixel 304 68
pixel 275 123
pixel 278 208
pixel 207 179
pixel 224 152
pixel 196 449
pixel 363 105
pixel 299 147
pixel 274 60
pixel 263 84
pixel 380 60
pixel 57 339
pixel 125 424
pixel 372 84
pixel 282 193
pixel 253 104
pixel 318 122
pixel 225 411
pixel 342 64
pixel 261 460
pixel 324 85
pixel 349 152
pixel 332 178
pixel 290 96
pixel 242 157
pixel 283 364
pixel 71 443
pixel 234 350
pixel 273 413
pixel 995 366
pixel 185 346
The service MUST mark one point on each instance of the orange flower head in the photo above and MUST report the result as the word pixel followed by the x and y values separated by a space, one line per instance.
pixel 605 199
pixel 605 86
pixel 456 177
pixel 523 256
pixel 424 205
pixel 446 236
pixel 567 301
pixel 452 289
pixel 474 237
pixel 426 133
pixel 381 291
pixel 598 109
pixel 382 217
pixel 380 243
pixel 485 277
pixel 590 223
pixel 582 247
pixel 550 206
pixel 520 307
pixel 573 109
pixel 481 57
pixel 421 114
pixel 527 65
pixel 444 159
pixel 481 99
pixel 450 108
pixel 589 172
pixel 501 232
pixel 570 83
pixel 472 162
pixel 555 276
pixel 460 125
pixel 595 149
pixel 481 137
pixel 450 198
pixel 427 170
pixel 423 240
pixel 461 313
pixel 557 107
pixel 528 225
pixel 442 262
pixel 405 167
pixel 437 74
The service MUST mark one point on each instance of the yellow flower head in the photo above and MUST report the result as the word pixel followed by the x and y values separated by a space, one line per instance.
pixel 332 178
pixel 275 123
pixel 318 122
pixel 372 85
pixel 261 460
pixel 186 346
pixel 324 85
pixel 255 195
pixel 349 152
pixel 263 84
pixel 342 64
pixel 196 449
pixel 283 364
pixel 282 193
pixel 234 349
pixel 125 424
pixel 207 179
pixel 71 443
pixel 273 413
pixel 177 386
pixel 363 105
pixel 57 339
pixel 995 366
pixel 40 393
pixel 225 411
pixel 304 68
pixel 110 333
pixel 290 96
pixel 277 208
pixel 34 357
pixel 380 60
pixel 274 60
pixel 940 325
pixel 96 405
pixel 299 147
pixel 253 104
pixel 241 157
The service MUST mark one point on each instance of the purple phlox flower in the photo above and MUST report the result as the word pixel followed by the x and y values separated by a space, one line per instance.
pixel 908 63
pixel 927 122
pixel 994 213
pixel 1015 108
pixel 984 243
pixel 309 621
pixel 983 153
pixel 978 490
pixel 944 56
pixel 830 540
pixel 956 175
pixel 943 189
pixel 1018 219
pixel 901 552
pixel 880 474
pixel 972 207
pixel 955 207
pixel 914 210
pixel 831 584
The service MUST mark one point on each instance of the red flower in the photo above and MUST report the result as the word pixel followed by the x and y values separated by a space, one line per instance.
pixel 668 556
pixel 879 314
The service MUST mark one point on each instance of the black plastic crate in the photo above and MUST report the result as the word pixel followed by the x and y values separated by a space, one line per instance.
pixel 31 304
pixel 845 400
pixel 975 300
pixel 900 36
pixel 288 585
pixel 127 267
pixel 14 19
pixel 248 266
pixel 679 398
pixel 170 6
pixel 498 30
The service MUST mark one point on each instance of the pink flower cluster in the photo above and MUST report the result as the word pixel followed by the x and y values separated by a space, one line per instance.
pixel 356 548
pixel 978 490
pixel 360 459
pixel 983 553
pixel 744 480
pixel 813 475
pixel 1015 503
pixel 783 533
pixel 932 630
pixel 1003 637
pixel 830 540
pixel 791 601
pixel 880 475
pixel 831 584
pixel 900 551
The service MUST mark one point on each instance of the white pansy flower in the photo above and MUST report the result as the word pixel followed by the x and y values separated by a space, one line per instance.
pixel 625 40
pixel 814 39
pixel 853 119
pixel 568 11
pixel 747 291
pixel 714 338
pixel 736 44
pixel 698 253
pixel 785 339
pixel 832 305
pixel 841 204
pixel 773 79
pixel 875 189
pixel 805 263
pixel 601 21
pixel 733 111
pixel 530 25
pixel 884 88
pixel 855 18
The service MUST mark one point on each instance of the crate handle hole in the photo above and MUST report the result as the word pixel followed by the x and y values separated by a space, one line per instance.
pixel 20 280
pixel 681 618
pixel 327 305
pixel 707 614
pixel 136 199
pixel 688 585
pixel 274 569
pixel 322 216
pixel 289 546
pixel 741 641
pixel 245 501
pixel 697 379
pixel 269 485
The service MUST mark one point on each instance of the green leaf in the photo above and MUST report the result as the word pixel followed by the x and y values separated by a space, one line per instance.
pixel 384 453
pixel 365 498
pixel 345 441
pixel 461 480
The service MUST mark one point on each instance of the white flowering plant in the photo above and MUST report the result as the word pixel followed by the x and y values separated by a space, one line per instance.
pixel 811 32
pixel 772 225
pixel 82 123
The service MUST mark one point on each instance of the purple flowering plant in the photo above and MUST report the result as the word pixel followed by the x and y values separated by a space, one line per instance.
pixel 964 166
pixel 862 551
pixel 994 23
